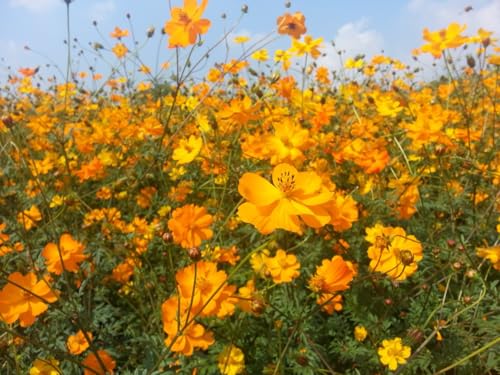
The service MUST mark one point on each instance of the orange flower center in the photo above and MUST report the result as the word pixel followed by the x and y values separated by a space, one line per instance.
pixel 406 257
pixel 203 285
pixel 184 18
pixel 286 182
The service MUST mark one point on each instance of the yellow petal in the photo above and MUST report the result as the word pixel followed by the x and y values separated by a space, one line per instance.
pixel 258 190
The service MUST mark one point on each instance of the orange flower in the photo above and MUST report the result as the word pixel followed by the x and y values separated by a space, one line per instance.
pixel 92 362
pixel 292 195
pixel 330 303
pixel 283 267
pixel 187 338
pixel 69 250
pixel 28 72
pixel 343 212
pixel 78 343
pixel 186 24
pixel 189 225
pixel 24 298
pixel 202 287
pixel 292 24
pixel 118 33
pixel 124 271
pixel 29 217
pixel 332 276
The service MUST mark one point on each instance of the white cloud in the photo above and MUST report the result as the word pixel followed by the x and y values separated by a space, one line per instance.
pixel 352 39
pixel 35 5
pixel 101 10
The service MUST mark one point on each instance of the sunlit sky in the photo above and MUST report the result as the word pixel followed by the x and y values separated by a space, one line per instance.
pixel 356 26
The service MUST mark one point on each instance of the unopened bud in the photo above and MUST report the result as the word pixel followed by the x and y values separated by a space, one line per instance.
pixel 470 61
pixel 244 8
pixel 150 32
pixel 471 274
pixel 457 266
pixel 288 4
pixel 194 253
pixel 167 237
pixel 257 306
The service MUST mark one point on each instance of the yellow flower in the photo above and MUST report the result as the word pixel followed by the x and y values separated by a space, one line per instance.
pixel 187 150
pixel 283 267
pixel 309 46
pixel 260 55
pixel 393 352
pixel 231 361
pixel 241 39
pixel 283 57
pixel 351 63
pixel 393 252
pixel 490 253
pixel 291 196
pixel 360 333
pixel 442 39
pixel 45 367
pixel 120 50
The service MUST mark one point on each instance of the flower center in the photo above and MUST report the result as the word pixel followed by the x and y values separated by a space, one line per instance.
pixel 184 18
pixel 406 257
pixel 286 182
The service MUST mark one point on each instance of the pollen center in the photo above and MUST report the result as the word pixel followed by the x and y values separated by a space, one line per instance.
pixel 286 182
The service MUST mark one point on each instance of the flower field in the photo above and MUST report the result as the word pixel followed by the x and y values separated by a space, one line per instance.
pixel 274 216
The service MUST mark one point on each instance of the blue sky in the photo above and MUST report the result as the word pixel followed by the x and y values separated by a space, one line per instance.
pixel 356 26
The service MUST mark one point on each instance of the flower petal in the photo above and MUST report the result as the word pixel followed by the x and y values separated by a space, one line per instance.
pixel 258 190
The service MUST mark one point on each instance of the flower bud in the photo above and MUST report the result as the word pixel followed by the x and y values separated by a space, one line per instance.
pixel 244 8
pixel 194 253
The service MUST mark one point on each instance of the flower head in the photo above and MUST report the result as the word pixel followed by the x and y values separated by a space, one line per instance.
pixel 78 342
pixel 360 333
pixel 190 225
pixel 490 253
pixel 24 297
pixel 283 267
pixel 332 276
pixel 393 252
pixel 69 250
pixel 292 196
pixel 393 353
pixel 45 367
pixel 186 24
pixel 94 363
pixel 29 218
pixel 292 24
pixel 231 361
pixel 188 335
pixel 187 150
